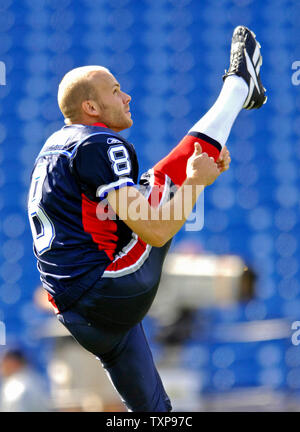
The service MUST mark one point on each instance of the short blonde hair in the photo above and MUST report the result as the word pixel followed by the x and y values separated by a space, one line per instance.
pixel 74 88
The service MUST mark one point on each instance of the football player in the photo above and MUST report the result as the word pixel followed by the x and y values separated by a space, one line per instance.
pixel 100 264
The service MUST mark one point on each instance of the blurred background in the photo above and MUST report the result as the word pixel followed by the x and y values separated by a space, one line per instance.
pixel 221 327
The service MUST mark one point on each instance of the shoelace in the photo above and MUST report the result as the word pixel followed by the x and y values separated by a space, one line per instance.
pixel 236 59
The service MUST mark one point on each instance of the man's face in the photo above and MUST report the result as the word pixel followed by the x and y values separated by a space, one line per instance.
pixel 113 102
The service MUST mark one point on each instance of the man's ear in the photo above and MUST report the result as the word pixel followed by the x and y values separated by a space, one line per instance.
pixel 90 108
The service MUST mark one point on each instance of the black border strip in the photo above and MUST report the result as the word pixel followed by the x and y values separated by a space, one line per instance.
pixel 206 138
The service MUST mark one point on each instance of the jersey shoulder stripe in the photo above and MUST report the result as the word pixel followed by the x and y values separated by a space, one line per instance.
pixel 96 137
pixel 67 140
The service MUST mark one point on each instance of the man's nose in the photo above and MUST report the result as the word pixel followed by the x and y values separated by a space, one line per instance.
pixel 126 98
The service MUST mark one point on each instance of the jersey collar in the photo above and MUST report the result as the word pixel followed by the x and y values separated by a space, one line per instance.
pixel 99 125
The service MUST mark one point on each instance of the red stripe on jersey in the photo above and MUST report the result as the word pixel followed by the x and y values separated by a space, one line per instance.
pixel 129 258
pixel 102 229
pixel 174 164
pixel 51 300
pixel 138 247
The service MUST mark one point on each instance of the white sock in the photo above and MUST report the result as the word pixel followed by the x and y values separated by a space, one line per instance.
pixel 218 121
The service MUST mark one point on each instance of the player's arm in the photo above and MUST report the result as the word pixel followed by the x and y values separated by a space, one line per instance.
pixel 152 225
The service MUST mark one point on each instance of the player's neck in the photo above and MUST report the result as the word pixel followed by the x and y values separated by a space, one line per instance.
pixel 99 124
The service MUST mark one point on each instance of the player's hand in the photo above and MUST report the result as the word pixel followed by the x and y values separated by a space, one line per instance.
pixel 224 160
pixel 201 168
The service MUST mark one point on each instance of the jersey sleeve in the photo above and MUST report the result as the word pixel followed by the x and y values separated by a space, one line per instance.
pixel 102 167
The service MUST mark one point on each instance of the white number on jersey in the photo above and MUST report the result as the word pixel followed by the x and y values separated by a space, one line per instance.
pixel 42 228
pixel 119 157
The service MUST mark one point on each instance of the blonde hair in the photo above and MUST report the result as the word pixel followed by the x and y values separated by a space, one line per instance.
pixel 74 88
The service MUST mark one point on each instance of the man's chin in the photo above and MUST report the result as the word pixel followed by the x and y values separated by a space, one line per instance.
pixel 129 123
pixel 125 125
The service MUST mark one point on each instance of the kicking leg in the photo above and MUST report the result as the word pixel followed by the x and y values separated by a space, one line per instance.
pixel 211 131
pixel 242 89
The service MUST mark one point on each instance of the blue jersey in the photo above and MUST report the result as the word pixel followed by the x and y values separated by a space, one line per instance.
pixel 72 175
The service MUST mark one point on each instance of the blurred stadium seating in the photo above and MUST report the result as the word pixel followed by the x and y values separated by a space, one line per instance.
pixel 169 55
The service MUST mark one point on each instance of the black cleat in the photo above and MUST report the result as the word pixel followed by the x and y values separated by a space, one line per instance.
pixel 245 61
